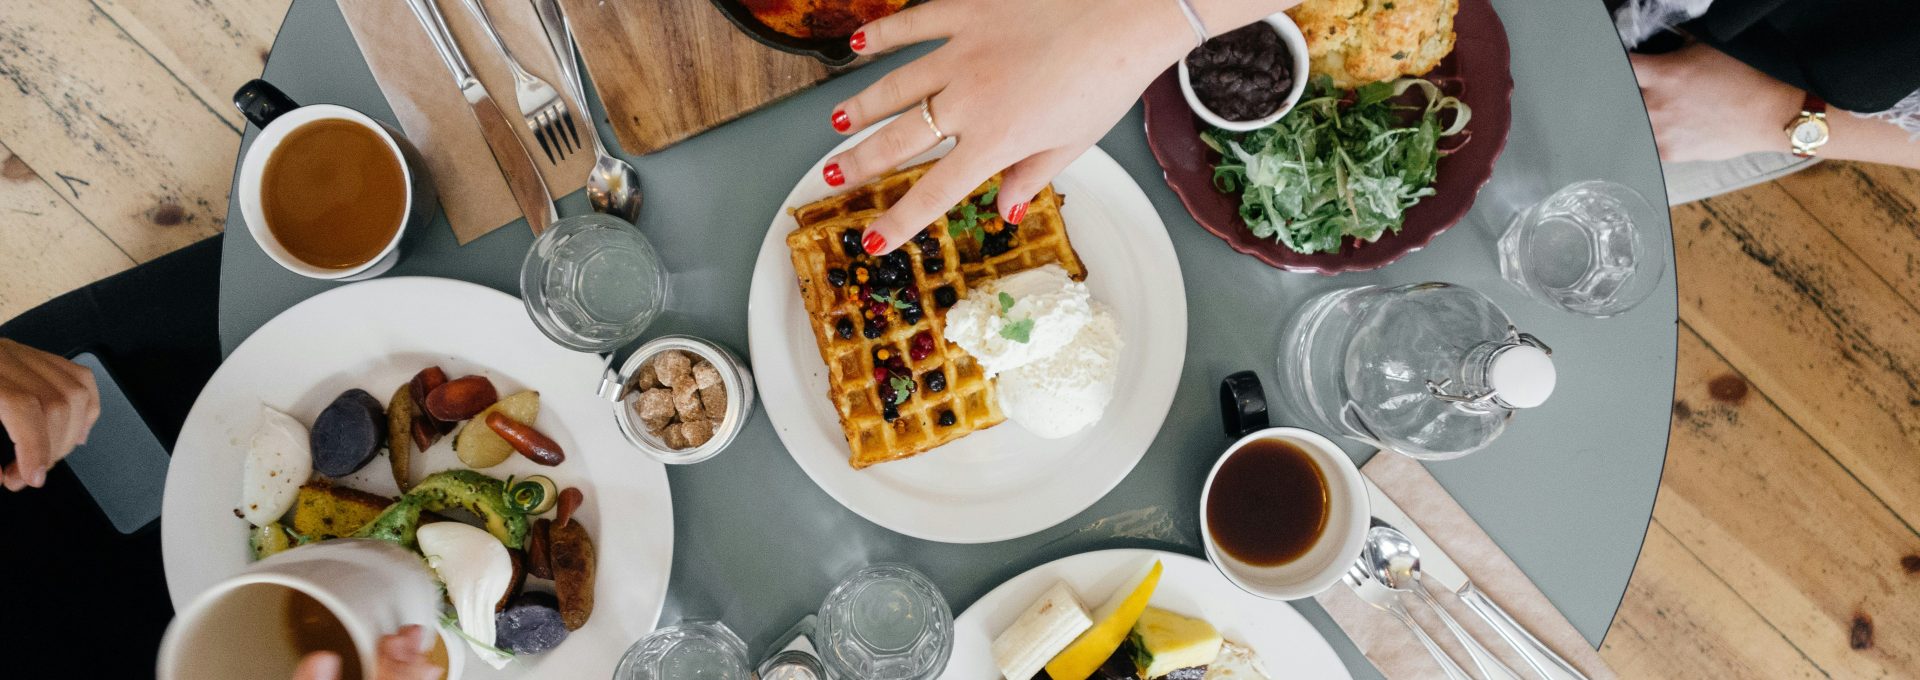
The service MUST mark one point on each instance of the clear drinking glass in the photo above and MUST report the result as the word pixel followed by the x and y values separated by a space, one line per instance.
pixel 885 622
pixel 693 650
pixel 593 283
pixel 1589 249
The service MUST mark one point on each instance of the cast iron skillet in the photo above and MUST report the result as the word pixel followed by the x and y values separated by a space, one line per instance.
pixel 830 51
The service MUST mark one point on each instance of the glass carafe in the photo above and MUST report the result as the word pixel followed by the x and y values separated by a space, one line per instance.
pixel 1432 370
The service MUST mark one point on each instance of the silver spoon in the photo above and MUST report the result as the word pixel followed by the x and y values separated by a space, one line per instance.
pixel 613 187
pixel 1396 563
pixel 1370 590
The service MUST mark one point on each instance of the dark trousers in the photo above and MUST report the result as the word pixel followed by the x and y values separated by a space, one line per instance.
pixel 82 600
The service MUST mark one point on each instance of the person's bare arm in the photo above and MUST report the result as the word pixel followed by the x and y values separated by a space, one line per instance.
pixel 1705 105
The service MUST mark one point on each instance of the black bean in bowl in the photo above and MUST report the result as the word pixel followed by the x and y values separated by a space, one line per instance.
pixel 1244 74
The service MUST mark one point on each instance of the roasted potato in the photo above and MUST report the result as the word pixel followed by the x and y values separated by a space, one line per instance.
pixel 400 437
pixel 571 552
pixel 478 446
pixel 347 433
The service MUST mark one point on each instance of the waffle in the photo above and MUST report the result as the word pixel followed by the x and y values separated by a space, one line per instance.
pixel 828 240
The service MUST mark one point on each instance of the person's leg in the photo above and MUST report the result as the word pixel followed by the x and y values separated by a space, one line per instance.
pixel 86 601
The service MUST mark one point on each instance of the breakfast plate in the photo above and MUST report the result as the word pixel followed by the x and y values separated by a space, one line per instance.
pixel 1477 72
pixel 1286 645
pixel 374 336
pixel 1002 482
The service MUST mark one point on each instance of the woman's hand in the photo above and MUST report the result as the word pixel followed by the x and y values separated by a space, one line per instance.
pixel 1025 85
pixel 48 405
pixel 1706 105
pixel 403 656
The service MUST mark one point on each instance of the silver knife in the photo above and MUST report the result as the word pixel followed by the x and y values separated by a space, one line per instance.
pixel 516 163
pixel 1435 564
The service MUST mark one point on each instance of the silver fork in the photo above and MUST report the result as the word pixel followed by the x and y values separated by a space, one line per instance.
pixel 1375 593
pixel 542 106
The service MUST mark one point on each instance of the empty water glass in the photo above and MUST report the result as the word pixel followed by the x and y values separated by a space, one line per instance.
pixel 694 650
pixel 885 622
pixel 593 283
pixel 1590 248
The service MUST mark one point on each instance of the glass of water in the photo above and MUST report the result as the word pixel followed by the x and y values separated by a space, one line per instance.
pixel 593 283
pixel 693 650
pixel 884 622
pixel 1591 248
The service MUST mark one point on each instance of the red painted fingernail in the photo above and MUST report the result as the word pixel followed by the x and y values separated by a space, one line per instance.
pixel 858 41
pixel 834 176
pixel 873 242
pixel 842 121
pixel 1016 213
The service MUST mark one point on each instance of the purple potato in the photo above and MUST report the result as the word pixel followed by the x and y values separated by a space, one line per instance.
pixel 530 624
pixel 348 433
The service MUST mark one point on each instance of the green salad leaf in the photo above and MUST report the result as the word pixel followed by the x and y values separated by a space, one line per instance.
pixel 1333 168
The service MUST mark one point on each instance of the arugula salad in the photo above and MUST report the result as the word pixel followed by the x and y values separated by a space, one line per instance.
pixel 1337 166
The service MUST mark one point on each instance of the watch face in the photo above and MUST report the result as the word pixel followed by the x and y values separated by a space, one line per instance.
pixel 1809 133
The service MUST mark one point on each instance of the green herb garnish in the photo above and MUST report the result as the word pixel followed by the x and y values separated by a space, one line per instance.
pixel 1329 170
pixel 902 388
pixel 452 622
pixel 986 199
pixel 966 222
pixel 1018 331
pixel 1006 303
pixel 886 299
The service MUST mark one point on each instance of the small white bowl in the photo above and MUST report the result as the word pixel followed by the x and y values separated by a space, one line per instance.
pixel 1296 45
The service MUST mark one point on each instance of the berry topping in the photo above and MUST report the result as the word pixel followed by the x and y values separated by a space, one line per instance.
pixel 850 243
pixel 933 265
pixel 873 329
pixel 946 419
pixel 911 315
pixel 944 297
pixel 889 411
pixel 880 374
pixel 921 346
pixel 837 277
pixel 936 381
pixel 844 329
pixel 887 397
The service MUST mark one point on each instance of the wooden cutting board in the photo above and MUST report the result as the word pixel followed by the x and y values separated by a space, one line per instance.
pixel 667 70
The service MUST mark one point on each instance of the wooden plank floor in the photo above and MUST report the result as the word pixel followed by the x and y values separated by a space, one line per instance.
pixel 1783 542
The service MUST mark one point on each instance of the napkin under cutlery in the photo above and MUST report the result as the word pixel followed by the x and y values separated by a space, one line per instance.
pixel 435 117
pixel 1393 649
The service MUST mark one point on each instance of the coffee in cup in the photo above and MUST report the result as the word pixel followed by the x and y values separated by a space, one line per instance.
pixel 325 190
pixel 1284 513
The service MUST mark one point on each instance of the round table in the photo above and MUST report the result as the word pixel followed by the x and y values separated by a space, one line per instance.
pixel 1567 491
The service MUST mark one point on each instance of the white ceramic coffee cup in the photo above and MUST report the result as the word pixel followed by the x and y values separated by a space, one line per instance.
pixel 1332 555
pixel 277 116
pixel 238 629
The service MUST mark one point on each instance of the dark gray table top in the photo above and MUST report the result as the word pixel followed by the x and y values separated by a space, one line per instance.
pixel 1567 491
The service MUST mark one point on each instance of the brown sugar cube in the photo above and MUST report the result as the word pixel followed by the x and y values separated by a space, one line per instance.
pixel 686 399
pixel 655 408
pixel 644 378
pixel 705 375
pixel 669 365
pixel 715 399
pixel 697 432
pixel 676 437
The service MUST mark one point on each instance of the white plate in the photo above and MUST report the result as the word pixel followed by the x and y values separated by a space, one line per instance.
pixel 375 336
pixel 1287 645
pixel 1002 482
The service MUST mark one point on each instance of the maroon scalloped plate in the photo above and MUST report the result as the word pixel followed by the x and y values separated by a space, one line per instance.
pixel 1477 72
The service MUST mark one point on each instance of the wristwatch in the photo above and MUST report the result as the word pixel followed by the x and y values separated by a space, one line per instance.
pixel 1808 131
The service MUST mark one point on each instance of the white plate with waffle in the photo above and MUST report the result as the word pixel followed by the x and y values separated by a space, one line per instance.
pixel 1001 482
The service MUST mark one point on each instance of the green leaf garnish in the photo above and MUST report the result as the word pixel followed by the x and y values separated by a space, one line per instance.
pixel 986 199
pixel 1018 331
pixel 1006 303
pixel 886 299
pixel 967 222
pixel 902 388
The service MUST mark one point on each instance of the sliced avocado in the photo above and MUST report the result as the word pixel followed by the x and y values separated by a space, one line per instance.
pixel 474 492
pixel 269 540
